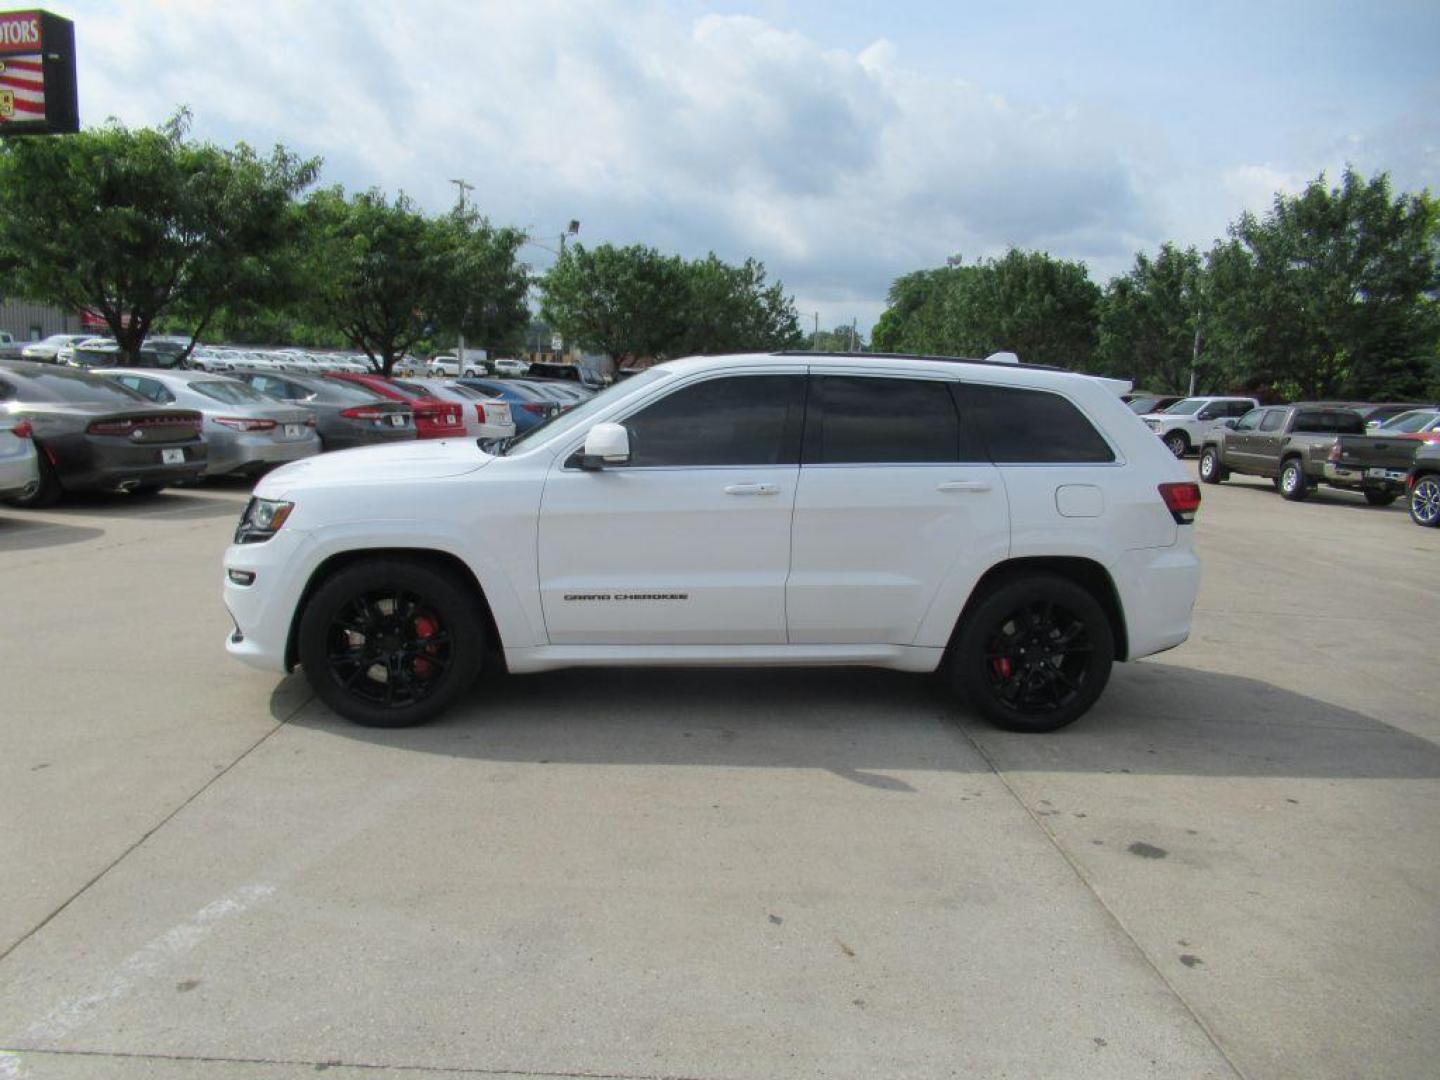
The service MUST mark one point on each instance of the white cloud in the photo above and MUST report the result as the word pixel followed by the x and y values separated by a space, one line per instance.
pixel 839 170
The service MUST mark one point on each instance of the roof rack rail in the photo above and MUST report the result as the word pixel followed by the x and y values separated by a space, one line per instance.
pixel 1001 359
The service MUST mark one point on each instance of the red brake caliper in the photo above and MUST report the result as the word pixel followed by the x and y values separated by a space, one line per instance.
pixel 1001 666
pixel 425 627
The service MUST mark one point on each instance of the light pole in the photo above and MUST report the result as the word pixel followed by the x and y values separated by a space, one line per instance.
pixel 571 229
pixel 461 188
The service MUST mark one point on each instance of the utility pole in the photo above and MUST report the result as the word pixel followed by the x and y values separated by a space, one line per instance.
pixel 854 322
pixel 815 339
pixel 461 188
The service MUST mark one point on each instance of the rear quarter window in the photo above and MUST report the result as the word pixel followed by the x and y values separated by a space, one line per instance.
pixel 1023 426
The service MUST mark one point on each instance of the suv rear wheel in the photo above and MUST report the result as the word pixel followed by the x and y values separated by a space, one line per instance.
pixel 1034 654
pixel 391 642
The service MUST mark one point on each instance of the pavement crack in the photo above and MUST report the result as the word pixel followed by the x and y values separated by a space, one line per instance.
pixel 337 1063
pixel 152 831
pixel 1114 916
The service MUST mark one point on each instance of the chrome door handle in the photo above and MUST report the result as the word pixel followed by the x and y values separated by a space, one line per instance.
pixel 752 489
pixel 964 485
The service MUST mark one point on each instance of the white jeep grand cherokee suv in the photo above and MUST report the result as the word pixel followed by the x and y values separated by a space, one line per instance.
pixel 1012 524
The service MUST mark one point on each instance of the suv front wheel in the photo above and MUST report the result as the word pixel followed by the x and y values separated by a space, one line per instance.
pixel 1034 654
pixel 391 642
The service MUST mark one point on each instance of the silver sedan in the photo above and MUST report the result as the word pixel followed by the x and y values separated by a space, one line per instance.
pixel 246 432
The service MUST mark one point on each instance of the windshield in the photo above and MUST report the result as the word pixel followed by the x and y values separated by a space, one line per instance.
pixel 230 392
pixel 1409 423
pixel 1187 407
pixel 576 417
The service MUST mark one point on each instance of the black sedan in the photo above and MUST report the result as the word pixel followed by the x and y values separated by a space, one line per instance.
pixel 94 435
pixel 346 414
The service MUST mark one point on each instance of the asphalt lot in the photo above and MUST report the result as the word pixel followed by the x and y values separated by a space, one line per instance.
pixel 1229 868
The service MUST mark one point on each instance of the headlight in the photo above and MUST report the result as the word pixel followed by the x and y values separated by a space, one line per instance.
pixel 262 520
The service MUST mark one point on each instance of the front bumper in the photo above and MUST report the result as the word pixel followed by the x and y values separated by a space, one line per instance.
pixel 263 610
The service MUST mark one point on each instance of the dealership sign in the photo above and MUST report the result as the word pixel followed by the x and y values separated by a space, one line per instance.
pixel 37 74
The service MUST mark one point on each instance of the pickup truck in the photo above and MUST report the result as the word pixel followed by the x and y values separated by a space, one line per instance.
pixel 1378 465
pixel 1292 445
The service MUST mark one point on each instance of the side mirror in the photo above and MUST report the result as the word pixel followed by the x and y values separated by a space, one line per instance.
pixel 605 444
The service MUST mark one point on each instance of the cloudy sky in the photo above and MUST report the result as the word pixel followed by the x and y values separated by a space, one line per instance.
pixel 842 143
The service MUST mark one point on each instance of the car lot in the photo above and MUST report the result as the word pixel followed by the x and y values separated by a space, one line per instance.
pixel 1226 869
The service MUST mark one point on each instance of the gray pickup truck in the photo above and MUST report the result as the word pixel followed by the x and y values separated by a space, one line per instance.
pixel 1292 445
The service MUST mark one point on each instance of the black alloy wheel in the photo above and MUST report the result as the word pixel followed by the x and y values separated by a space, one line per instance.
pixel 1034 654
pixel 1425 501
pixel 391 643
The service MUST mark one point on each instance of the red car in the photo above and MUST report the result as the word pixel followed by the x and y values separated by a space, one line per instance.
pixel 434 418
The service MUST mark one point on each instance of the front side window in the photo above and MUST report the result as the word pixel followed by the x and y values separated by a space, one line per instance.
pixel 857 419
pixel 1274 418
pixel 740 420
pixel 1022 426
pixel 1250 421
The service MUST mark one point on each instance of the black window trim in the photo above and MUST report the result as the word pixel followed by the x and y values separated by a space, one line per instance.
pixel 1118 459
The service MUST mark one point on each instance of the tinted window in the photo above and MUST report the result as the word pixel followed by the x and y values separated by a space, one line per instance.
pixel 148 387
pixel 341 392
pixel 1024 426
pixel 415 390
pixel 860 420
pixel 1330 422
pixel 1409 423
pixel 744 420
pixel 61 385
pixel 1273 419
pixel 1237 408
pixel 1187 407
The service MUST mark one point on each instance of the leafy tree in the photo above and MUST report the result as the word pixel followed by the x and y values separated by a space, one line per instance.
pixel 732 309
pixel 140 224
pixel 387 276
pixel 1043 309
pixel 625 302
pixel 842 339
pixel 1149 321
pixel 1331 294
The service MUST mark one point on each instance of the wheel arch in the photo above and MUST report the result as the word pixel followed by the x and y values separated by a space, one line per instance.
pixel 1087 573
pixel 445 560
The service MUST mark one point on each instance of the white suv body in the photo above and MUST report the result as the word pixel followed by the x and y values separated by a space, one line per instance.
pixel 762 509
pixel 1183 426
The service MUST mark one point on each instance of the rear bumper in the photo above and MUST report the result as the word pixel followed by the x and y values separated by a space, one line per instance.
pixel 104 464
pixel 1356 476
pixel 244 452
pixel 1157 588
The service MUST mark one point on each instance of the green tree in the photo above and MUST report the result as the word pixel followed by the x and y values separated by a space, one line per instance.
pixel 388 276
pixel 844 338
pixel 1043 309
pixel 1149 321
pixel 625 302
pixel 141 224
pixel 732 309
pixel 1330 294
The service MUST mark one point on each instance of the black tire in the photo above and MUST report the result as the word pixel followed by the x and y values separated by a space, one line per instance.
pixel 1380 497
pixel 1178 443
pixel 147 491
pixel 1292 482
pixel 1211 471
pixel 1425 501
pixel 428 644
pixel 1033 654
pixel 47 493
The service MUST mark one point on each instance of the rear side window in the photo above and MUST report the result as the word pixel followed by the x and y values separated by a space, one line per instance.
pixel 1022 427
pixel 858 419
pixel 1329 422
pixel 741 420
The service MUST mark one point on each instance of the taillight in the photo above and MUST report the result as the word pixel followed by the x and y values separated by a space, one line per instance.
pixel 111 427
pixel 480 412
pixel 23 430
pixel 533 407
pixel 1182 500
pixel 363 412
pixel 240 423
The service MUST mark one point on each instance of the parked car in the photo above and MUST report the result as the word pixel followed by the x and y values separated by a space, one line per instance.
pixel 438 365
pixel 1290 444
pixel 485 417
pixel 1144 404
pixel 528 407
pixel 435 418
pixel 1376 415
pixel 95 435
pixel 692 515
pixel 568 394
pixel 246 431
pixel 1422 425
pixel 346 416
pixel 19 462
pixel 92 357
pixel 1423 486
pixel 507 366
pixel 1183 426
pixel 46 350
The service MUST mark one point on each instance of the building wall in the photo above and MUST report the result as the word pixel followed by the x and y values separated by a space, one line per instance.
pixel 30 321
